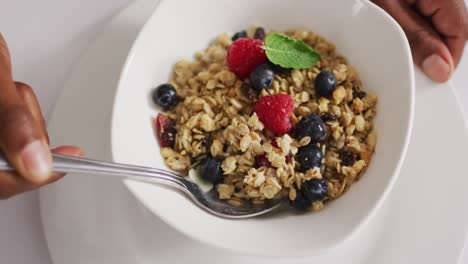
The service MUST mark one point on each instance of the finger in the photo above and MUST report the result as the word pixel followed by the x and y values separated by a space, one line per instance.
pixel 21 139
pixel 12 184
pixel 5 60
pixel 30 100
pixel 450 19
pixel 456 47
pixel 426 7
pixel 449 16
pixel 69 151
pixel 7 88
pixel 429 50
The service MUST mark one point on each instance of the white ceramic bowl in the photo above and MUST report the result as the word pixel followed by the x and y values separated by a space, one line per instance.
pixel 368 37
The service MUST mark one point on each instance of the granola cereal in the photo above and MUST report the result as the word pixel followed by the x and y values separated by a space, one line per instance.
pixel 216 116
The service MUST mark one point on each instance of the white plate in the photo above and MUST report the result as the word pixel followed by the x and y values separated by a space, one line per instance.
pixel 94 220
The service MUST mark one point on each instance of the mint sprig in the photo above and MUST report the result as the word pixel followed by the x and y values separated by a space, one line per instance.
pixel 290 53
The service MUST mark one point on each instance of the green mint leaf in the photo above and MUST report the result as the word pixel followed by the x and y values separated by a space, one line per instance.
pixel 290 53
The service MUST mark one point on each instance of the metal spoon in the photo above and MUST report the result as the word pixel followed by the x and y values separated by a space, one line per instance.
pixel 208 201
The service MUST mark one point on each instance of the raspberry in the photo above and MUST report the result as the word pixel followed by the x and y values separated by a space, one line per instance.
pixel 244 55
pixel 165 131
pixel 274 112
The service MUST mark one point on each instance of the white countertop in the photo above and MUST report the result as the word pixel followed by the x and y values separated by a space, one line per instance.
pixel 46 37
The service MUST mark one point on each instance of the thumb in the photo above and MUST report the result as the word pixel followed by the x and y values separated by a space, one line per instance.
pixel 430 53
pixel 24 144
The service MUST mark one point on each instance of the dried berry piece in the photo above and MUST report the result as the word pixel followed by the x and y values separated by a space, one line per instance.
pixel 261 160
pixel 207 142
pixel 248 91
pixel 165 131
pixel 328 117
pixel 347 158
pixel 274 143
pixel 238 35
pixel 259 33
pixel 278 69
pixel 359 94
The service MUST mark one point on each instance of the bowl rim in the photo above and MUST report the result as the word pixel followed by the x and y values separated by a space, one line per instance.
pixel 367 217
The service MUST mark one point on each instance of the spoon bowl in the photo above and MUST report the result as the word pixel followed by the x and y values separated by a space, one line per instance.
pixel 210 202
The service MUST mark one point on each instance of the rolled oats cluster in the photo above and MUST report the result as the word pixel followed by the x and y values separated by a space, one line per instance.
pixel 213 123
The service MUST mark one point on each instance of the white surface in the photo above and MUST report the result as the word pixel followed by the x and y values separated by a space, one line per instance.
pixel 45 39
pixel 147 67
pixel 31 31
pixel 110 226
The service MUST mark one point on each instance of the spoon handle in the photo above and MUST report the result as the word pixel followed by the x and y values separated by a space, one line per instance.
pixel 67 164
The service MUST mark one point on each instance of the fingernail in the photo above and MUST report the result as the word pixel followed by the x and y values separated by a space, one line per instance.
pixel 436 68
pixel 37 161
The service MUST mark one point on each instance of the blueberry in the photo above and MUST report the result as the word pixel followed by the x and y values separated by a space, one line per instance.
pixel 165 96
pixel 325 84
pixel 238 35
pixel 210 170
pixel 309 157
pixel 301 202
pixel 262 77
pixel 311 126
pixel 315 190
pixel 259 33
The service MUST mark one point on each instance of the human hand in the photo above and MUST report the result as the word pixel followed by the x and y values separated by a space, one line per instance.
pixel 437 31
pixel 23 135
